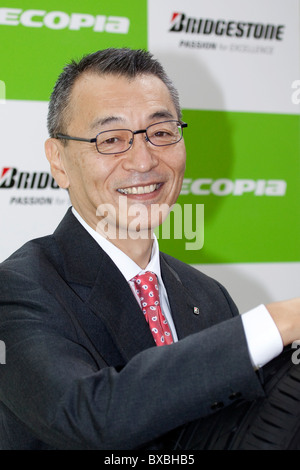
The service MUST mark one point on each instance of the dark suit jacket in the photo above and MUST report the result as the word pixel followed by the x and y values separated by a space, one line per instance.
pixel 82 370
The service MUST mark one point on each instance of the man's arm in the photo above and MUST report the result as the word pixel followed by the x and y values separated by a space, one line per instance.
pixel 53 385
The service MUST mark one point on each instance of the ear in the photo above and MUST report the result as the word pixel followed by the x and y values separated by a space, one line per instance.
pixel 54 154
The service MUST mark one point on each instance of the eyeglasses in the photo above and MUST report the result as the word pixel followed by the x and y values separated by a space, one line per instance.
pixel 117 141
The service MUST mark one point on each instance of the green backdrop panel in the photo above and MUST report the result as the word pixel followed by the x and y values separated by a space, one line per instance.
pixel 245 169
pixel 35 47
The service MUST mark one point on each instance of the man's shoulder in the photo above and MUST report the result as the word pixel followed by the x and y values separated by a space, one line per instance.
pixel 184 269
pixel 36 254
pixel 189 276
pixel 30 256
pixel 200 284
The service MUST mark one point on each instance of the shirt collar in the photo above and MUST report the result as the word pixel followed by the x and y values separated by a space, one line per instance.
pixel 126 265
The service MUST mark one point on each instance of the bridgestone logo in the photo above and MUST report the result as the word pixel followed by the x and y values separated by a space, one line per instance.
pixel 62 20
pixel 13 178
pixel 239 29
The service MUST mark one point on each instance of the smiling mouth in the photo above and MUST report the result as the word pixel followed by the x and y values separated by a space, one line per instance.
pixel 140 189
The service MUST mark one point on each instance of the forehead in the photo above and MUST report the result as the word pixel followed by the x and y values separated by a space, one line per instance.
pixel 99 96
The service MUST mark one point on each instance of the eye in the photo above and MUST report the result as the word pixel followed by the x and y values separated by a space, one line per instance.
pixel 114 141
pixel 110 141
pixel 162 134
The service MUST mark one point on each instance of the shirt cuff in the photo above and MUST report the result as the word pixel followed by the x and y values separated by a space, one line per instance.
pixel 262 335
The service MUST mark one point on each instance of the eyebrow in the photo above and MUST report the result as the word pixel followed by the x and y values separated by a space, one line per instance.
pixel 105 120
pixel 99 122
pixel 162 114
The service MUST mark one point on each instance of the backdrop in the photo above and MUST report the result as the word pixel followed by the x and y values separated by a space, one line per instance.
pixel 236 65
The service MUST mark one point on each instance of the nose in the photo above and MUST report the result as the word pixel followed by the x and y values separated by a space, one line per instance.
pixel 142 156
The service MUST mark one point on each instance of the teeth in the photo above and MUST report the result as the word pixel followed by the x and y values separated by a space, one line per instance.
pixel 139 189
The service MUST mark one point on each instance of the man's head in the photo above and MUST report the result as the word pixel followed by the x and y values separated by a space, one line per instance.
pixel 120 62
pixel 112 94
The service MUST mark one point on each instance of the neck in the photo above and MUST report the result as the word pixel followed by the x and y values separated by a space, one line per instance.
pixel 138 246
pixel 138 250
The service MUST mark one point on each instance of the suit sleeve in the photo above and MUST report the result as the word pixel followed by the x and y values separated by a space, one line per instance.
pixel 53 385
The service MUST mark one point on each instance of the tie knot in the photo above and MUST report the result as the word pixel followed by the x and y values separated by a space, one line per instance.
pixel 147 289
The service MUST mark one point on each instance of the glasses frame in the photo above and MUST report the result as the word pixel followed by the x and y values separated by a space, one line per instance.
pixel 181 124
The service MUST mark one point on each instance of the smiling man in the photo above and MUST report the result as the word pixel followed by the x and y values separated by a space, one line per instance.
pixel 111 344
pixel 133 163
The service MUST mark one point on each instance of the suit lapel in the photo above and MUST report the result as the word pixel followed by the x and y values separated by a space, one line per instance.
pixel 113 301
pixel 102 287
pixel 181 302
pixel 105 291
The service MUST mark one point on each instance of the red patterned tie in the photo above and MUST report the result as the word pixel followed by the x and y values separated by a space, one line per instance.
pixel 147 289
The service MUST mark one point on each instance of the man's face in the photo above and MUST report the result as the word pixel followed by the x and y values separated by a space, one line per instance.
pixel 97 182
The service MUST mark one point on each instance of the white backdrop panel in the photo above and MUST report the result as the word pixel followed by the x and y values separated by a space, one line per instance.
pixel 26 213
pixel 221 72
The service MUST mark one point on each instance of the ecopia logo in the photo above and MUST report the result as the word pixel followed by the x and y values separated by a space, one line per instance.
pixel 62 20
pixel 238 187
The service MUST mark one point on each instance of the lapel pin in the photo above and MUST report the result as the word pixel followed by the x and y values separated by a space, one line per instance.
pixel 196 311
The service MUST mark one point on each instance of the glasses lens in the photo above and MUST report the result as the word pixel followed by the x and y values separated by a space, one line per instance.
pixel 114 141
pixel 164 133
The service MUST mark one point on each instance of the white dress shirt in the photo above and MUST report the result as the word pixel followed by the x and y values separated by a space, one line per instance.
pixel 263 338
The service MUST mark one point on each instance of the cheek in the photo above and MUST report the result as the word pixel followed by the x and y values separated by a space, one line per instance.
pixel 178 172
pixel 178 166
pixel 98 180
pixel 84 170
pixel 182 167
pixel 81 176
pixel 183 159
